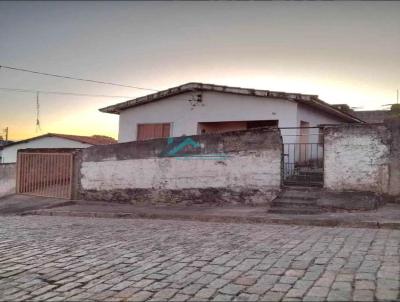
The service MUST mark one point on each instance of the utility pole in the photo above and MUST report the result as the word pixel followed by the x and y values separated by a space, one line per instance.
pixel 6 132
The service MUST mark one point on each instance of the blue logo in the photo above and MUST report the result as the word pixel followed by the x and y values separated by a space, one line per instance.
pixel 179 150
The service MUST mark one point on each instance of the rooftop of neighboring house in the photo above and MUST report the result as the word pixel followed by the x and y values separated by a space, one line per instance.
pixel 373 116
pixel 91 140
pixel 4 143
pixel 369 116
pixel 307 99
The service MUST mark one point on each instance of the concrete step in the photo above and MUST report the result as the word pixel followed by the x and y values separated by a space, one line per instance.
pixel 292 203
pixel 296 211
pixel 300 195
pixel 303 183
pixel 297 200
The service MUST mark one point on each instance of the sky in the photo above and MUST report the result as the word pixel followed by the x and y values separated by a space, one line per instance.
pixel 345 52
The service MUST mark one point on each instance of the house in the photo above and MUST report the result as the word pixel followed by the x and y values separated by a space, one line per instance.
pixel 196 108
pixel 2 144
pixel 52 140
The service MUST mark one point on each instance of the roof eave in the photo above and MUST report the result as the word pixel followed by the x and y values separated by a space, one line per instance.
pixel 328 108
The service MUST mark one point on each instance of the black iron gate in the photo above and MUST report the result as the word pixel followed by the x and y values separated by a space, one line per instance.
pixel 303 156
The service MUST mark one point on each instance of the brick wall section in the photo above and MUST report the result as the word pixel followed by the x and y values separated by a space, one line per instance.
pixel 358 158
pixel 146 172
pixel 7 179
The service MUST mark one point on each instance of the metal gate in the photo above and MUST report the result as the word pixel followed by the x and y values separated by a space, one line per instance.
pixel 303 156
pixel 45 174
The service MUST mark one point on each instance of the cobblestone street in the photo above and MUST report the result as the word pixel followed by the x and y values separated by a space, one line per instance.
pixel 61 258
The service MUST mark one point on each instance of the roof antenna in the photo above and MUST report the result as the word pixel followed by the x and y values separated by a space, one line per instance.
pixel 37 112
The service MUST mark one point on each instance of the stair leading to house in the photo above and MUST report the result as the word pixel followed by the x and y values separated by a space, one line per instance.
pixel 297 200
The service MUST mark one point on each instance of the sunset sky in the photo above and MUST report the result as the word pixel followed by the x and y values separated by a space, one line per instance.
pixel 346 52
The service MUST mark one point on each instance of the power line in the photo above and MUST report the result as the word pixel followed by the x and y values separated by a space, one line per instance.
pixel 75 78
pixel 63 93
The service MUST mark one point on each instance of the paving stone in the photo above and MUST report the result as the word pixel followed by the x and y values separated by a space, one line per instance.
pixel 294 273
pixel 246 297
pixel 387 283
pixel 245 281
pixel 296 293
pixel 156 286
pixel 387 294
pixel 191 289
pixel 180 297
pixel 344 286
pixel 122 285
pixel 217 283
pixel 318 291
pixel 164 294
pixel 272 296
pixel 288 280
pixel 231 275
pixel 205 293
pixel 338 295
pixel 143 283
pixel 42 290
pixel 140 296
pixel 231 289
pixel 363 295
pixel 281 287
pixel 137 260
pixel 258 288
pixel 222 298
pixel 68 287
pixel 127 292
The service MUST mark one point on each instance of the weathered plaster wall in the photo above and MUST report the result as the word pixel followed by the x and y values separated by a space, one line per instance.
pixel 7 179
pixel 393 125
pixel 247 169
pixel 357 158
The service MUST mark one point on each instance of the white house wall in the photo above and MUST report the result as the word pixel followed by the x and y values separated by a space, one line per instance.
pixel 216 107
pixel 315 117
pixel 9 154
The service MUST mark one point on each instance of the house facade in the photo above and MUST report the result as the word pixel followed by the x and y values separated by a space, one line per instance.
pixel 197 108
pixel 52 140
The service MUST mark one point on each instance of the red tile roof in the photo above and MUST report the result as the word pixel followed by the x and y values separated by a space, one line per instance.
pixel 91 140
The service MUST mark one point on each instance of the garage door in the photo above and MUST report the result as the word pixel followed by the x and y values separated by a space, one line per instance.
pixel 45 174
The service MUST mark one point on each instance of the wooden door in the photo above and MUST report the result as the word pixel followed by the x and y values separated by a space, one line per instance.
pixel 152 131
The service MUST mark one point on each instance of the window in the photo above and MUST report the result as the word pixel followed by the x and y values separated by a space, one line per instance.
pixel 152 131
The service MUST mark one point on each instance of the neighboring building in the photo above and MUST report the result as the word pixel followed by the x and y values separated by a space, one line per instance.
pixel 373 116
pixel 368 116
pixel 52 140
pixel 197 108
pixel 2 144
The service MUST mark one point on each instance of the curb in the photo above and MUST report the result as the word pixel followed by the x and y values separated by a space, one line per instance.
pixel 223 219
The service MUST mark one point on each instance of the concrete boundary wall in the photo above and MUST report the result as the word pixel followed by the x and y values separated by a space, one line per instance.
pixel 363 158
pixel 229 168
pixel 7 179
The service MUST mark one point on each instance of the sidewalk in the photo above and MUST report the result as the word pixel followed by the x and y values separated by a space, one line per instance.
pixel 387 216
pixel 17 204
